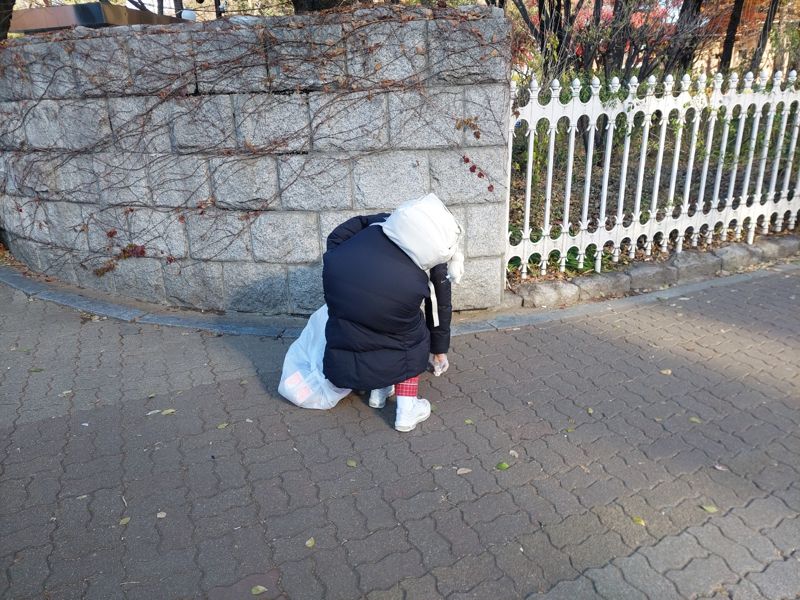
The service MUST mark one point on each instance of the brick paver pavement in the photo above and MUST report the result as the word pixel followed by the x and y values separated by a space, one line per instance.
pixel 618 428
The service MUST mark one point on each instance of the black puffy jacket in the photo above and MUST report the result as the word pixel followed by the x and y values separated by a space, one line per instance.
pixel 376 334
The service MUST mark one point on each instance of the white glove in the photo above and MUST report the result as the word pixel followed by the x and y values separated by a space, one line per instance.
pixel 438 363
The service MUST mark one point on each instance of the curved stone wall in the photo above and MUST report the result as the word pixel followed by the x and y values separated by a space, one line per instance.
pixel 203 165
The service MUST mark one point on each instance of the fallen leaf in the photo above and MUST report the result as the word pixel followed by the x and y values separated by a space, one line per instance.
pixel 514 453
pixel 153 412
pixel 469 422
pixel 437 467
pixel 721 468
pixel 243 382
pixel 248 420
pixel 150 396
pixel 463 471
pixel 501 466
pixel 83 497
pixel 257 590
pixel 222 426
pixel 695 420
pixel 639 521
pixel 311 542
pixel 351 463
pixel 161 515
pixel 168 411
pixel 590 410
pixel 709 508
pixel 124 520
pixel 378 66
pixel 35 370
pixel 65 393
pixel 666 371
pixel 569 430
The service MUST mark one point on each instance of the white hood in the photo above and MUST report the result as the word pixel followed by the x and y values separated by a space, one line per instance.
pixel 428 233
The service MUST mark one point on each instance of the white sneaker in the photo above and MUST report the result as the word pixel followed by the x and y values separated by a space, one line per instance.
pixel 411 411
pixel 377 398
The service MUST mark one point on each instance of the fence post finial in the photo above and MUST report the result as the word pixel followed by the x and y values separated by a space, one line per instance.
pixel 701 83
pixel 633 86
pixel 555 89
pixel 614 87
pixel 686 82
pixel 651 85
pixel 575 88
pixel 733 83
pixel 748 81
pixel 669 83
pixel 791 80
pixel 595 85
pixel 534 89
pixel 718 79
pixel 777 79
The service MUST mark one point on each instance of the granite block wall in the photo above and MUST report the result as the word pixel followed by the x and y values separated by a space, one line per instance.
pixel 203 165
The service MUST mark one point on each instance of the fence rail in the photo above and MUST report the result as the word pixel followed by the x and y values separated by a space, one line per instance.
pixel 720 164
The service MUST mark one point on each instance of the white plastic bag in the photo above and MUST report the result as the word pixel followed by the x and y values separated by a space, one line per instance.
pixel 302 382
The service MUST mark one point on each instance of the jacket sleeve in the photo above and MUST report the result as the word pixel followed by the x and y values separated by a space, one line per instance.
pixel 440 336
pixel 351 227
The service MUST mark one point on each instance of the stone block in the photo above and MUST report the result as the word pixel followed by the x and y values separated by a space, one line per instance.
pixel 161 232
pixel 47 71
pixel 194 284
pixel 603 285
pixel 426 119
pixel 67 226
pixel 736 256
pixel 203 123
pixel 286 237
pixel 488 106
pixel 12 124
pixel 328 221
pixel 251 287
pixel 302 57
pixel 32 175
pixel 100 66
pixel 387 179
pixel 455 181
pixel 141 124
pixel 469 51
pixel 778 246
pixel 549 294
pixel 76 178
pixel 139 278
pixel 387 51
pixel 482 285
pixel 245 183
pixel 219 235
pixel 122 179
pixel 305 289
pixel 652 275
pixel 696 265
pixel 161 63
pixel 231 60
pixel 24 250
pixel 25 218
pixel 315 182
pixel 13 75
pixel 85 273
pixel 178 181
pixel 485 230
pixel 58 263
pixel 80 125
pixel 349 121
pixel 272 123
pixel 107 228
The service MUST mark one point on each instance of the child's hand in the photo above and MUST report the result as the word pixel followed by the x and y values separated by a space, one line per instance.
pixel 438 363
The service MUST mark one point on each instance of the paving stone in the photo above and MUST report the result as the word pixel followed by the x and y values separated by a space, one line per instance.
pixel 781 579
pixel 701 576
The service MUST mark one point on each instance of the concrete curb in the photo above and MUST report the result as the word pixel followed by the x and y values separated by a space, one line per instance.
pixel 290 327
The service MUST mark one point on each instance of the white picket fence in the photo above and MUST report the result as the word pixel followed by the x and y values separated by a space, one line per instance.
pixel 739 189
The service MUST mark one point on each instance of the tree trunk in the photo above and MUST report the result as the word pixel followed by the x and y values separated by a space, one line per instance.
pixel 6 6
pixel 688 31
pixel 764 37
pixel 730 36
